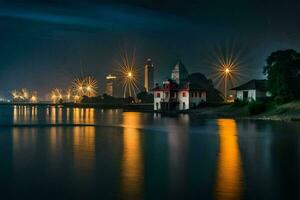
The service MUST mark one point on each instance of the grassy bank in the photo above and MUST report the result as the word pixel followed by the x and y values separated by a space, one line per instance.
pixel 287 111
pixel 254 110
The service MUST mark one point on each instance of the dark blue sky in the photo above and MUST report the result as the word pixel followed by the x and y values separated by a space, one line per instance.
pixel 44 44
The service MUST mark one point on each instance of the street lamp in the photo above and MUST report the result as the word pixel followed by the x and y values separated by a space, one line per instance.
pixel 226 73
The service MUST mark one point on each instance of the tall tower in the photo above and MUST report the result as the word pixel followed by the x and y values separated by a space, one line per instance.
pixel 110 82
pixel 179 73
pixel 149 75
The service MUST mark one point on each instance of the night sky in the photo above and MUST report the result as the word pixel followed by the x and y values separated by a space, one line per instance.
pixel 44 44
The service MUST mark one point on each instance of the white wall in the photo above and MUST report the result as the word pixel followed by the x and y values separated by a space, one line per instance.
pixel 251 95
pixel 166 96
pixel 157 100
pixel 183 100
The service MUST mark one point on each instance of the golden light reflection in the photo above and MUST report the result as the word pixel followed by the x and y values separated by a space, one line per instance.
pixel 52 115
pixel 76 115
pixel 229 182
pixel 86 115
pixel 59 115
pixel 15 114
pixel 84 150
pixel 132 162
pixel 24 114
pixel 56 142
pixel 23 143
pixel 89 116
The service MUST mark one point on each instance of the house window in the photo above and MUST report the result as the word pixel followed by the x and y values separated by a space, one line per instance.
pixel 167 94
pixel 158 95
pixel 183 94
pixel 183 105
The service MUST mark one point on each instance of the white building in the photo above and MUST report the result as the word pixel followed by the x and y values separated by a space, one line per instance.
pixel 252 90
pixel 177 93
pixel 172 96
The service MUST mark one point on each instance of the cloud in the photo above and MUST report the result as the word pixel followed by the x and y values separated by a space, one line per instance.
pixel 98 17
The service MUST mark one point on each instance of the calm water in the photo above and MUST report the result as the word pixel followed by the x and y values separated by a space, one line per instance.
pixel 144 156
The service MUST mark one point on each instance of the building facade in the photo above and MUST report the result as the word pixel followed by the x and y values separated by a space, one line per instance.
pixel 197 95
pixel 177 93
pixel 149 75
pixel 110 84
pixel 253 90
pixel 172 96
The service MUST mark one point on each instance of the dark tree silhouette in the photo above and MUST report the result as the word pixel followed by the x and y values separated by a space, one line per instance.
pixel 145 97
pixel 283 74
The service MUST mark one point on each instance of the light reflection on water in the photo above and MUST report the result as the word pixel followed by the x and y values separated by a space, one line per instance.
pixel 54 115
pixel 177 153
pixel 84 150
pixel 24 114
pixel 146 155
pixel 229 179
pixel 132 173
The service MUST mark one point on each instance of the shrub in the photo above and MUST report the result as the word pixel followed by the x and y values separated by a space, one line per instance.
pixel 256 107
pixel 238 102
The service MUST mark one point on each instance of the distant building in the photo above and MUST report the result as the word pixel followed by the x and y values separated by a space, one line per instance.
pixel 182 91
pixel 149 75
pixel 180 74
pixel 174 96
pixel 252 90
pixel 110 84
pixel 178 93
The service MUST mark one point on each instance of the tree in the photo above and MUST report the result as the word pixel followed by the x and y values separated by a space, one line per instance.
pixel 145 97
pixel 283 74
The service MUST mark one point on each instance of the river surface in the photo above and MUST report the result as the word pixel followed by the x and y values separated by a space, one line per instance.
pixel 72 153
